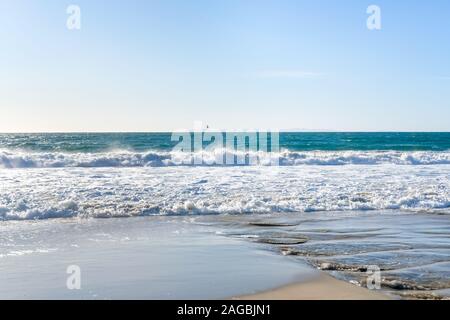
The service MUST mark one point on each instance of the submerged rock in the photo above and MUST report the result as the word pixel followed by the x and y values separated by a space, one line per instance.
pixel 282 241
pixel 272 224
pixel 286 251
pixel 423 296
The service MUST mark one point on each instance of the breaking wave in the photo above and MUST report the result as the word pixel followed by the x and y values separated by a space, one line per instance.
pixel 17 159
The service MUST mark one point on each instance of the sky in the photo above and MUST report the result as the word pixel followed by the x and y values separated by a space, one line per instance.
pixel 161 65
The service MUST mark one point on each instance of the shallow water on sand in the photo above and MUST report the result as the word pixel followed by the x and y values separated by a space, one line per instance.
pixel 411 250
pixel 134 258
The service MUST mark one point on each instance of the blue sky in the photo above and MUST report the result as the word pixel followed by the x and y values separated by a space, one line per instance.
pixel 234 64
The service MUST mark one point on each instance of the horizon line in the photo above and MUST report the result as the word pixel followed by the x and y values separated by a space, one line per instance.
pixel 230 130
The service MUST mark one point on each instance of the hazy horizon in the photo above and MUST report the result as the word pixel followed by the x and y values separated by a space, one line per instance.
pixel 220 130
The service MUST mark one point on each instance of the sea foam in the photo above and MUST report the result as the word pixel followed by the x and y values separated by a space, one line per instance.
pixel 18 159
pixel 141 191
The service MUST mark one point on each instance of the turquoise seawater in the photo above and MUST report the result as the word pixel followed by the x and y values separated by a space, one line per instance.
pixel 141 142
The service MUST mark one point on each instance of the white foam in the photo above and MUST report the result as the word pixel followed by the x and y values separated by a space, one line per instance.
pixel 123 192
pixel 18 159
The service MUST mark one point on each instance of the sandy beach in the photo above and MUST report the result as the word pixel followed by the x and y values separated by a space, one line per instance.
pixel 319 287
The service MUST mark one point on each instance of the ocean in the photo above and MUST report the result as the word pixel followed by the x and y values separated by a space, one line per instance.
pixel 337 201
pixel 133 174
pixel 304 141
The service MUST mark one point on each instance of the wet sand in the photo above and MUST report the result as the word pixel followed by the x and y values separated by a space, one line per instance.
pixel 280 256
pixel 135 258
pixel 320 287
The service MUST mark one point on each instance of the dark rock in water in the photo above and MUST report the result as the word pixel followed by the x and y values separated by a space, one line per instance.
pixel 327 266
pixel 286 251
pixel 282 241
pixel 331 266
pixel 271 224
pixel 422 296
pixel 400 285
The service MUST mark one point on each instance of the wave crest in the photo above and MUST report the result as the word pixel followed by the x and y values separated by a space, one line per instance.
pixel 9 159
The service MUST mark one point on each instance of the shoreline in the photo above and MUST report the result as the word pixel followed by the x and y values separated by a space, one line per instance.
pixel 245 257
